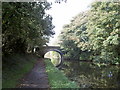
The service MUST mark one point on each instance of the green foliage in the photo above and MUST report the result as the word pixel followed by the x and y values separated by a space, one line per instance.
pixel 95 33
pixel 12 74
pixel 56 78
pixel 25 25
pixel 104 36
pixel 73 37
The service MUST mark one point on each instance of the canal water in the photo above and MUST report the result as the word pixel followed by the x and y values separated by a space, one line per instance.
pixel 89 75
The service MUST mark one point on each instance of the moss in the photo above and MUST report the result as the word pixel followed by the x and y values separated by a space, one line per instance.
pixel 57 79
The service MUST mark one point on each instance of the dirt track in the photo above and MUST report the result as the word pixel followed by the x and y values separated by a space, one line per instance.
pixel 36 78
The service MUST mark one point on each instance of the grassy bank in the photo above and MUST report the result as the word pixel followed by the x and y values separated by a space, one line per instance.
pixel 56 78
pixel 15 70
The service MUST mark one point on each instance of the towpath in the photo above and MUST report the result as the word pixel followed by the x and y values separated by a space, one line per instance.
pixel 36 78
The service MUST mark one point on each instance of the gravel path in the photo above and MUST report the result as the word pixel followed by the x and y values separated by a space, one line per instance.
pixel 36 78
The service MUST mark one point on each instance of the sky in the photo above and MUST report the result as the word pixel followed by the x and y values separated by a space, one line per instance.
pixel 64 12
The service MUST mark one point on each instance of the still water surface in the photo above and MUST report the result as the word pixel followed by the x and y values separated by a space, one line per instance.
pixel 89 75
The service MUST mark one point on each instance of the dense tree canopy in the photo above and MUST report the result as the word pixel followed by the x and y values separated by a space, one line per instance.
pixel 104 30
pixel 95 34
pixel 25 25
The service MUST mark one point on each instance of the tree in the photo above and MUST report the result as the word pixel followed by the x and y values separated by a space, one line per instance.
pixel 25 25
pixel 95 33
pixel 103 30
pixel 73 37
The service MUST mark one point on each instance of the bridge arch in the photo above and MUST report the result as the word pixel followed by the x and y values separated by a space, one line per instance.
pixel 45 49
pixel 59 52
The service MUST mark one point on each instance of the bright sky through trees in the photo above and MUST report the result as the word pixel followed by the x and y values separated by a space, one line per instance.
pixel 64 12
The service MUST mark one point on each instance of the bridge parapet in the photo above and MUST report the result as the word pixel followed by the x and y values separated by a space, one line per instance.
pixel 46 49
pixel 51 47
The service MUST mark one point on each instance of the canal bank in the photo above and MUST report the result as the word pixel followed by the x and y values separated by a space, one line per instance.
pixel 57 79
pixel 89 75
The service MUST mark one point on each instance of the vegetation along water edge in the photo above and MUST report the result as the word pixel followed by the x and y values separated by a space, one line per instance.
pixel 57 79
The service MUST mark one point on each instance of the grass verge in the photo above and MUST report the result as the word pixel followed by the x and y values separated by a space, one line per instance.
pixel 57 79
pixel 14 71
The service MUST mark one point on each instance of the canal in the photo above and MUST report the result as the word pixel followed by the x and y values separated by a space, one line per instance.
pixel 89 75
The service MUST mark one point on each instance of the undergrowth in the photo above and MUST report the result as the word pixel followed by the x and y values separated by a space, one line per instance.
pixel 16 68
pixel 57 79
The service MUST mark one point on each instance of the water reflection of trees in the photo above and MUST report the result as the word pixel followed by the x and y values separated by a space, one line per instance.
pixel 118 78
pixel 89 75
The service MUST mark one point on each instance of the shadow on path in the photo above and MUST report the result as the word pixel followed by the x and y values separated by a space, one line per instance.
pixel 36 78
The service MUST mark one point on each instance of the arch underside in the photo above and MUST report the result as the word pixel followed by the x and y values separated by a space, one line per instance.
pixel 58 51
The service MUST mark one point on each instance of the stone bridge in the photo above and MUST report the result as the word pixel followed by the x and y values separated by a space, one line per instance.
pixel 52 48
pixel 46 49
